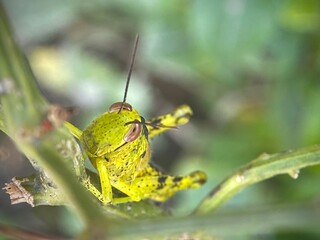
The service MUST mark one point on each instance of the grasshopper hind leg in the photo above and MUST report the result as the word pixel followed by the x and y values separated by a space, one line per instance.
pixel 159 186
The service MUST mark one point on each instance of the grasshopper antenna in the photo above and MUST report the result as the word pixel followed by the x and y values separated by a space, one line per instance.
pixel 130 71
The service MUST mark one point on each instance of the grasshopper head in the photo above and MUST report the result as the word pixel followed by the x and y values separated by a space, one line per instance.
pixel 118 128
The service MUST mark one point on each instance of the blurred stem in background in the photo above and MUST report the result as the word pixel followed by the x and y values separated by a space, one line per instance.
pixel 25 117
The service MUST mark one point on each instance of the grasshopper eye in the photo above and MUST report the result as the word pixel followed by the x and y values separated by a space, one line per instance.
pixel 133 133
pixel 116 107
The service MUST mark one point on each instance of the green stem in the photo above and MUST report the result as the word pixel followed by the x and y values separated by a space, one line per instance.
pixel 19 68
pixel 230 225
pixel 23 111
pixel 264 167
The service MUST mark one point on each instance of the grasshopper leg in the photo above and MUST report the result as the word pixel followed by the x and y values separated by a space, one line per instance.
pixel 153 184
pixel 160 187
pixel 106 187
pixel 179 116
pixel 105 196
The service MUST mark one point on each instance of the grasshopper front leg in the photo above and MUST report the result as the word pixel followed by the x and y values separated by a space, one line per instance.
pixel 179 116
pixel 105 195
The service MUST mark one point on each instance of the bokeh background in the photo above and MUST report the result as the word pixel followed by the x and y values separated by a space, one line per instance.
pixel 249 69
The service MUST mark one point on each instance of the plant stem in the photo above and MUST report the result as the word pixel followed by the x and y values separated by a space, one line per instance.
pixel 264 167
pixel 24 110
pixel 249 221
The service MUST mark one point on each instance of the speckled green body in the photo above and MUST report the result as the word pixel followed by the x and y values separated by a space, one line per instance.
pixel 121 153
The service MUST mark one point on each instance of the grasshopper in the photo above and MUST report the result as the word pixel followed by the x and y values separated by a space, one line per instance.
pixel 117 144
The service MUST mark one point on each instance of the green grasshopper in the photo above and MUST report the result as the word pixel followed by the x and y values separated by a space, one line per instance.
pixel 117 144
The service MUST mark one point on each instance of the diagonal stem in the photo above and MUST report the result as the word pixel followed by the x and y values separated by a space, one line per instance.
pixel 24 112
pixel 262 168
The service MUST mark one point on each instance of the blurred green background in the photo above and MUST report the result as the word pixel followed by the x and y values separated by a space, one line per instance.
pixel 249 69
